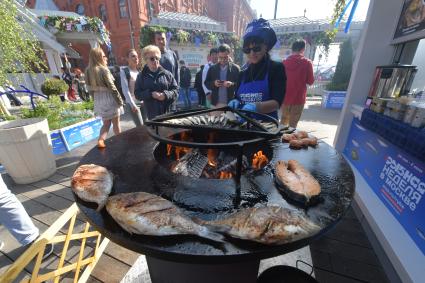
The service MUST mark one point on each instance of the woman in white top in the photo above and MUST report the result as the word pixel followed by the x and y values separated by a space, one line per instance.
pixel 128 77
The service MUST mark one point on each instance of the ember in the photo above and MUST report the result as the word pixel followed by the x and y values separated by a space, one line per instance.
pixel 211 163
pixel 179 151
pixel 225 175
pixel 211 153
pixel 259 160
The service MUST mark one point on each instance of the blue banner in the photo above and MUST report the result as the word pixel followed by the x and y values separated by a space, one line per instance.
pixel 78 134
pixel 333 99
pixel 396 177
pixel 57 143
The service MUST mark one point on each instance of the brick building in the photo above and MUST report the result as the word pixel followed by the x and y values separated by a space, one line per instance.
pixel 124 18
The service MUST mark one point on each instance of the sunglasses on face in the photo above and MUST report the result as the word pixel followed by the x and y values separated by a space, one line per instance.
pixel 153 59
pixel 248 50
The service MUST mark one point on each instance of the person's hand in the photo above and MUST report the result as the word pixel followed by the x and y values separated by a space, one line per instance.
pixel 227 84
pixel 158 95
pixel 134 109
pixel 250 107
pixel 234 103
pixel 218 83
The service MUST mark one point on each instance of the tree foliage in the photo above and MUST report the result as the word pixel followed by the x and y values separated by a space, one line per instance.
pixel 19 49
pixel 343 68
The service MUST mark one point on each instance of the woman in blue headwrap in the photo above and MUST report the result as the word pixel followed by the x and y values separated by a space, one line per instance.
pixel 261 86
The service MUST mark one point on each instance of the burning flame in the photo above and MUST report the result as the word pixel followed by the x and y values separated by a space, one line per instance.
pixel 259 160
pixel 211 153
pixel 225 175
pixel 179 151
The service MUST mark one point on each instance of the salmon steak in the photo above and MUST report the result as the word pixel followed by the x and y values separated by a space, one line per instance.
pixel 270 225
pixel 148 214
pixel 296 181
pixel 92 183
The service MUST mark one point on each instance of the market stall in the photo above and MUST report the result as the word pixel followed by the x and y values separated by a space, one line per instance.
pixel 381 133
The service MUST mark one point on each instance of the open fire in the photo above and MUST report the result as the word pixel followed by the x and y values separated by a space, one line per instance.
pixel 210 163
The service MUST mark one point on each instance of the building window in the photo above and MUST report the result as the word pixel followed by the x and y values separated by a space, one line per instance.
pixel 123 8
pixel 102 13
pixel 79 9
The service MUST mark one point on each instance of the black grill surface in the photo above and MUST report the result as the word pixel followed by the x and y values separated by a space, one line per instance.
pixel 131 159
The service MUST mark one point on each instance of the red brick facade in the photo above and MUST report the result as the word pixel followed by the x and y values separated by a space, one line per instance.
pixel 236 13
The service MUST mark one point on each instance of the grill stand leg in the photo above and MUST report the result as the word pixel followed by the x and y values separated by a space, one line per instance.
pixel 237 199
pixel 162 271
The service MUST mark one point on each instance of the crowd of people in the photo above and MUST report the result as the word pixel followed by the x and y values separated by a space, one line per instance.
pixel 262 85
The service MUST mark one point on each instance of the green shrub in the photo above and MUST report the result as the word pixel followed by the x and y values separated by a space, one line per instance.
pixel 342 75
pixel 54 87
pixel 60 114
pixel 336 87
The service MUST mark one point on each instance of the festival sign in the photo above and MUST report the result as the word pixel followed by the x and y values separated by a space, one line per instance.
pixel 397 178
pixel 412 19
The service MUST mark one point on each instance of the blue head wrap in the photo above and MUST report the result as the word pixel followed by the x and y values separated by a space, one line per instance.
pixel 261 28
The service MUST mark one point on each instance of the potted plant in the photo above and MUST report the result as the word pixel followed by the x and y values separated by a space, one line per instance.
pixel 336 90
pixel 54 87
pixel 25 145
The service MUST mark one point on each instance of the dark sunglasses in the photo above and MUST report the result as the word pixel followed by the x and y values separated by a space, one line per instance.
pixel 153 59
pixel 248 50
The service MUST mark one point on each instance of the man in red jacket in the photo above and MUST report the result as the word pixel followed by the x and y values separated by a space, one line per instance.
pixel 299 73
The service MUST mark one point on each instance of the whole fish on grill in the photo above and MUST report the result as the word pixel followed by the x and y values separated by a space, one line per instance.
pixel 204 120
pixel 271 225
pixel 148 214
pixel 92 183
pixel 198 121
pixel 296 182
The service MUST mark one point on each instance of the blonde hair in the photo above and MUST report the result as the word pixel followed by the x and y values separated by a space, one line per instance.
pixel 150 49
pixel 96 64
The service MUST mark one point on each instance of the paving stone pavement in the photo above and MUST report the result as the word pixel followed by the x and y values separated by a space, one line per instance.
pixel 344 255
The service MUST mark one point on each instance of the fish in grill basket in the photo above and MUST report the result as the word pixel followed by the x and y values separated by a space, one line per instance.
pixel 92 183
pixel 148 214
pixel 296 182
pixel 271 225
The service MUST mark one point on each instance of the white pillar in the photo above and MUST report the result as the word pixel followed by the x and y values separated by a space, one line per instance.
pixel 52 59
pixel 374 49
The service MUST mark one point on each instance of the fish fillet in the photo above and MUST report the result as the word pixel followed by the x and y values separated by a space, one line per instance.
pixel 148 214
pixel 297 179
pixel 268 225
pixel 92 183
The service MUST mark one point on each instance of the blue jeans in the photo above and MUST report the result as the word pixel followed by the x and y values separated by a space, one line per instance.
pixel 14 217
pixel 186 96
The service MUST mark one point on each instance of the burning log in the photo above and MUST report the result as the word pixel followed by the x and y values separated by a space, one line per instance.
pixel 191 164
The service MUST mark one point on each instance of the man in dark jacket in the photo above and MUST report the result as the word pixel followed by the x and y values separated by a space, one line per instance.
pixel 222 78
pixel 185 79
pixel 169 60
pixel 199 88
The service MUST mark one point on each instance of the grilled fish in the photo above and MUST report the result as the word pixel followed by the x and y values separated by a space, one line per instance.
pixel 296 181
pixel 270 225
pixel 92 183
pixel 147 214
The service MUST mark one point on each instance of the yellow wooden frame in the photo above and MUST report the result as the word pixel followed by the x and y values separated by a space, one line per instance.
pixel 36 251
